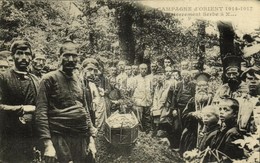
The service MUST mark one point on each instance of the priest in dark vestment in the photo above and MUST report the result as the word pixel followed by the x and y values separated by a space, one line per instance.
pixel 191 116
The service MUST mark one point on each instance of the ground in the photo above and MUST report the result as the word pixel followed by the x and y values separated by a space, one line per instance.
pixel 145 149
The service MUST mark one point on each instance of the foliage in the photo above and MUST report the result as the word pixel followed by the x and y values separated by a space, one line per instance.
pixel 251 146
pixel 100 28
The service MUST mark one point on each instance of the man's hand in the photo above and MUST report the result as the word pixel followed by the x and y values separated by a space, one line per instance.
pixel 93 131
pixel 28 108
pixel 49 152
pixel 92 147
pixel 174 113
pixel 197 114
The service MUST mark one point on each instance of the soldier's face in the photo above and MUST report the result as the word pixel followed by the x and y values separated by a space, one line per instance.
pixel 10 61
pixel 154 68
pixel 121 66
pixel 38 63
pixel 184 66
pixel 3 66
pixel 69 61
pixel 168 72
pixel 22 58
pixel 90 73
pixel 143 70
pixel 113 71
pixel 252 82
pixel 167 63
pixel 176 76
pixel 134 70
pixel 128 70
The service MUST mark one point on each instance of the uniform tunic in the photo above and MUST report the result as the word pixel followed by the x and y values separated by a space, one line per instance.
pixel 17 88
pixel 62 115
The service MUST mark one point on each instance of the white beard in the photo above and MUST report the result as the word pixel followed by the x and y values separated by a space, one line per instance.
pixel 201 97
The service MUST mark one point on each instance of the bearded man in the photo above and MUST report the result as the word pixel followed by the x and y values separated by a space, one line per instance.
pixel 234 87
pixel 62 115
pixel 191 115
pixel 18 91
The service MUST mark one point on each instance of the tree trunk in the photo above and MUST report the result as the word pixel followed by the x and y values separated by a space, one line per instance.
pixel 125 33
pixel 201 37
pixel 226 38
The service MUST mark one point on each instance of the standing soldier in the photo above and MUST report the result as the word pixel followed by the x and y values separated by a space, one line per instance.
pixel 142 98
pixel 62 115
pixel 135 70
pixel 18 91
pixel 121 77
pixel 3 65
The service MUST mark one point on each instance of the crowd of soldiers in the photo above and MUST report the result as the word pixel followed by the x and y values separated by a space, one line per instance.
pixel 57 115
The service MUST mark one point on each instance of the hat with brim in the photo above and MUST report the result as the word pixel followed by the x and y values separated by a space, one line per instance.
pixel 91 65
pixel 249 72
pixel 5 54
pixel 88 61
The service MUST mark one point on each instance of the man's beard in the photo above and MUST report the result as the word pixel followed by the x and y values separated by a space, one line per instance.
pixel 253 90
pixel 201 97
pixel 233 84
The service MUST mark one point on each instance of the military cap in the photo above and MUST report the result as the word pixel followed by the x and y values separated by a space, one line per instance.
pixel 21 45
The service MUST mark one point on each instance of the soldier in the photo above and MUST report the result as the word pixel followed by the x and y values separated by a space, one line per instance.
pixel 121 77
pixel 152 76
pixel 18 91
pixel 3 61
pixel 184 65
pixel 38 64
pixel 167 62
pixel 135 70
pixel 113 73
pixel 62 115
pixel 163 111
pixel 89 72
pixel 10 61
pixel 142 98
pixel 3 65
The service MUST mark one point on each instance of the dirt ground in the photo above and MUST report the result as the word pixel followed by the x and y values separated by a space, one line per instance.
pixel 145 149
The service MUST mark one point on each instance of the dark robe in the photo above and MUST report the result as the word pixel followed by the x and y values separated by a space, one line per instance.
pixel 191 126
pixel 205 138
pixel 224 138
pixel 17 89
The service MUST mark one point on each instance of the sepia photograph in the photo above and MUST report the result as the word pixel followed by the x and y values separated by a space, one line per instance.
pixel 129 81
